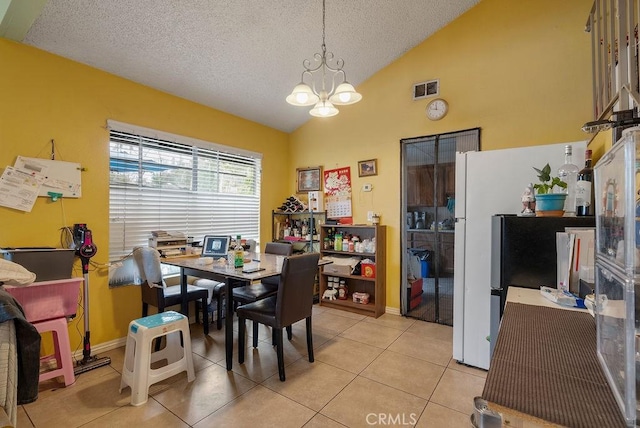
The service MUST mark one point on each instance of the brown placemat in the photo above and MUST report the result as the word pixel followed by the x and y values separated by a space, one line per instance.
pixel 545 364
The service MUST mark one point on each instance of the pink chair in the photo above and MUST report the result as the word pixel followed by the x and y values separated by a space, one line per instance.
pixel 62 348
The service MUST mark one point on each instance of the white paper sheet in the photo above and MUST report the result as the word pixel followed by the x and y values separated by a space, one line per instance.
pixel 19 189
pixel 61 177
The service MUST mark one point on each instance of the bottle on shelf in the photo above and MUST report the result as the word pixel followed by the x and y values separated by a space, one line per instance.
pixel 346 238
pixel 287 228
pixel 238 254
pixel 584 188
pixel 337 245
pixel 569 174
pixel 343 290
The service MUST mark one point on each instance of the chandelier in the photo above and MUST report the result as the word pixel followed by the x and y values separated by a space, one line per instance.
pixel 323 91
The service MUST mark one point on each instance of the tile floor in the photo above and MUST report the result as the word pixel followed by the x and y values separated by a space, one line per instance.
pixel 390 371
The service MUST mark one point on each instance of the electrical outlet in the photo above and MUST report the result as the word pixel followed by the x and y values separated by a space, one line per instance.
pixel 369 215
pixel 367 187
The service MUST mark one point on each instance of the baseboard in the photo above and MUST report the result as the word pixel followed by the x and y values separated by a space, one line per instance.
pixel 102 347
pixel 392 311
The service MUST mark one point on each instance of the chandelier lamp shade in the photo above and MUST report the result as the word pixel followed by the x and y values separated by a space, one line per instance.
pixel 326 83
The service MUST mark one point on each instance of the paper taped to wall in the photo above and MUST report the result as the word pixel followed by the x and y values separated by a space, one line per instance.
pixel 60 176
pixel 19 189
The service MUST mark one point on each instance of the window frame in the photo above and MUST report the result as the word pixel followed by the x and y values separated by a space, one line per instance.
pixel 172 205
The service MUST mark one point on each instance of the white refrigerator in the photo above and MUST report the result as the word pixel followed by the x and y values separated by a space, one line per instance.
pixel 488 183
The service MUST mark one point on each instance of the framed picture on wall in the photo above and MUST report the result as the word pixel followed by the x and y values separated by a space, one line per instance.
pixel 367 168
pixel 309 179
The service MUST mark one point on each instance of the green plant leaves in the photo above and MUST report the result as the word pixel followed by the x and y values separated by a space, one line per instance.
pixel 547 183
pixel 544 174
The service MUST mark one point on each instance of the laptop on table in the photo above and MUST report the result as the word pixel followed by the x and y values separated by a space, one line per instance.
pixel 215 246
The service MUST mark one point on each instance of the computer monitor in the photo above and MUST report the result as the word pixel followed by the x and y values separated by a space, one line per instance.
pixel 215 246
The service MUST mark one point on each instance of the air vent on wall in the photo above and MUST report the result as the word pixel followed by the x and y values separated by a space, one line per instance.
pixel 426 89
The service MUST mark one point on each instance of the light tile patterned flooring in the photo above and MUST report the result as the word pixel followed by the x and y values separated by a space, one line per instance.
pixel 390 371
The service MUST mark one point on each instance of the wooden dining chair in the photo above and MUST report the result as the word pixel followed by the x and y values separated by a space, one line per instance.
pixel 293 302
pixel 265 288
pixel 155 291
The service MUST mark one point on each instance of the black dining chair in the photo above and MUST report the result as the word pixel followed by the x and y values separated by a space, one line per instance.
pixel 265 288
pixel 293 302
pixel 155 291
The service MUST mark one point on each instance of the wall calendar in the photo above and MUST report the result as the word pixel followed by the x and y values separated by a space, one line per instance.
pixel 337 187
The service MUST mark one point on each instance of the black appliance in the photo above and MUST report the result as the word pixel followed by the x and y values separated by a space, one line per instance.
pixel 523 254
pixel 524 250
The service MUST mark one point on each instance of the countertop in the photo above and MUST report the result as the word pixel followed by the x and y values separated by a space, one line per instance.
pixel 545 369
pixel 530 296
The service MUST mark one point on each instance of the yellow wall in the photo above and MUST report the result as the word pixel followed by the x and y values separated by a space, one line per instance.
pixel 520 70
pixel 47 97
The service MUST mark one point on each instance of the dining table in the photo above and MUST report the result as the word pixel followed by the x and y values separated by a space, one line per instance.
pixel 263 264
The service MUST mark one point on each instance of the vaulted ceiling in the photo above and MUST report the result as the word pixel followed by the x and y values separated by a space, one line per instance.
pixel 239 56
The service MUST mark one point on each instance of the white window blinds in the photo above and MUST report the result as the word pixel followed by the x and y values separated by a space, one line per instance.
pixel 176 183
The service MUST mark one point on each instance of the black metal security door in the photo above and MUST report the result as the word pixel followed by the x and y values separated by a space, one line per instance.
pixel 428 189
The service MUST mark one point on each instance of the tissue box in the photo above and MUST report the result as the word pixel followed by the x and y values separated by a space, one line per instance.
pixel 340 265
pixel 368 270
pixel 337 269
pixel 362 298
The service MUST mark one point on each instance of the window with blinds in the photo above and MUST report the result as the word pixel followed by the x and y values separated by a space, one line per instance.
pixel 178 184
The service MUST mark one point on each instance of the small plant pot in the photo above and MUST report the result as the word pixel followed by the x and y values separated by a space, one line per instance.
pixel 550 205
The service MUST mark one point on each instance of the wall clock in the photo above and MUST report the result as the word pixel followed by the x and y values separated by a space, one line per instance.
pixel 437 109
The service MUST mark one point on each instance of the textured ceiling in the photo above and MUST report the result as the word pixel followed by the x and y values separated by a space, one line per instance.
pixel 239 56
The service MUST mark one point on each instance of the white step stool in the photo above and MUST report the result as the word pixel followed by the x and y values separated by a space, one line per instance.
pixel 137 372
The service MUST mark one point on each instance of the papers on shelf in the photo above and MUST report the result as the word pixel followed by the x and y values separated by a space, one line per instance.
pixel 576 257
pixel 167 234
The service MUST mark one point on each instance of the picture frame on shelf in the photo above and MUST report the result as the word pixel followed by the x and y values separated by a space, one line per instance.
pixel 309 179
pixel 367 168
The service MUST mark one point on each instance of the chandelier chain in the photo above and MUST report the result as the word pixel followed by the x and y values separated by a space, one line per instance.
pixel 324 46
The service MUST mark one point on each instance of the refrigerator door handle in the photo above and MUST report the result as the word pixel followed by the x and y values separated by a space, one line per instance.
pixel 459 289
pixel 460 209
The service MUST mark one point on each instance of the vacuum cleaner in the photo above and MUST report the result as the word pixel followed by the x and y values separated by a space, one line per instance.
pixel 85 249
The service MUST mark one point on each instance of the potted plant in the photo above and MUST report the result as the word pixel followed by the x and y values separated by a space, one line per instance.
pixel 549 203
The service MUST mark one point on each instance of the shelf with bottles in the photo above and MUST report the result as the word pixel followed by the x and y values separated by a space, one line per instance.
pixel 349 239
pixel 297 228
pixel 363 243
pixel 348 253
